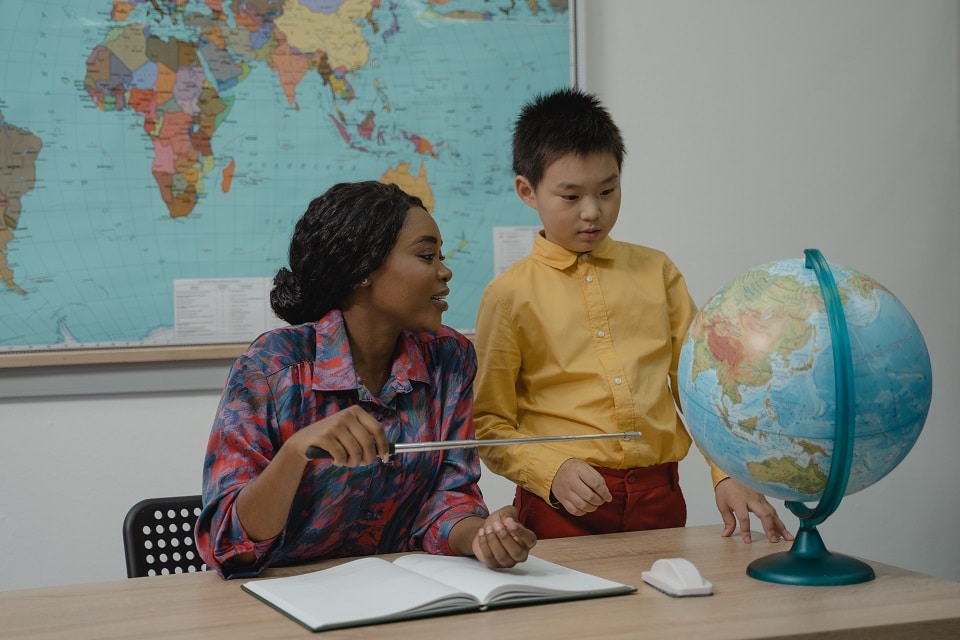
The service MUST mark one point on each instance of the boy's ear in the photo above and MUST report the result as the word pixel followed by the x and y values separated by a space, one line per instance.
pixel 525 191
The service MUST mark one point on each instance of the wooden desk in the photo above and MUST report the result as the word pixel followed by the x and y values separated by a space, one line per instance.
pixel 898 604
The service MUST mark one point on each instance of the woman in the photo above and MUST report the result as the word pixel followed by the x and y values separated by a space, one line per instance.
pixel 365 362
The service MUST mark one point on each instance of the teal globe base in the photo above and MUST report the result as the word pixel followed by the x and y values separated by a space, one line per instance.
pixel 808 563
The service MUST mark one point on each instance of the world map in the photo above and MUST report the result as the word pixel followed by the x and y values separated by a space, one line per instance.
pixel 149 143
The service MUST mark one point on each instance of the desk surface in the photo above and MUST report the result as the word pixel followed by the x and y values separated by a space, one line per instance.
pixel 898 604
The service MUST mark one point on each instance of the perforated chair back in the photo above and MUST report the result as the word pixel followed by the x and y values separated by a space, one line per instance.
pixel 158 537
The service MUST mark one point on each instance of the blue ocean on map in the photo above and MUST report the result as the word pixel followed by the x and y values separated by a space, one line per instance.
pixel 95 250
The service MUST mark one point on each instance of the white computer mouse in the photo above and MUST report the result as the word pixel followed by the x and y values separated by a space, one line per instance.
pixel 677 577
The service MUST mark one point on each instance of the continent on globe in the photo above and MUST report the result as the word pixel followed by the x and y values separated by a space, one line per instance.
pixel 785 330
pixel 18 175
pixel 808 480
pixel 758 386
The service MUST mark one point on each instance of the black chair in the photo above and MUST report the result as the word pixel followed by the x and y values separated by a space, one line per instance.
pixel 158 537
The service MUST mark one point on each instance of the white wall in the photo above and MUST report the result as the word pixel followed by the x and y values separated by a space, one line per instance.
pixel 754 130
pixel 757 129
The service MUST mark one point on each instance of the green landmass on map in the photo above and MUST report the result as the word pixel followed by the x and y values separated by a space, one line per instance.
pixel 808 480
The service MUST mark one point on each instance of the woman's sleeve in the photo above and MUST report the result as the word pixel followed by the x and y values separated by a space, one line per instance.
pixel 456 495
pixel 238 450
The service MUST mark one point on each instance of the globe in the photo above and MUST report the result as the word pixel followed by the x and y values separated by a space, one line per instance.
pixel 806 382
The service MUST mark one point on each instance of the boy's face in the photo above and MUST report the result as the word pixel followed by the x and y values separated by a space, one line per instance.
pixel 578 199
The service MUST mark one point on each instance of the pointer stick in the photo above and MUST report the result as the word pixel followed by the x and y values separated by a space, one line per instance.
pixel 316 453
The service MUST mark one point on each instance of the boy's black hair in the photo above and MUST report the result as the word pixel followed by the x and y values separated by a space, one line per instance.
pixel 568 121
pixel 343 237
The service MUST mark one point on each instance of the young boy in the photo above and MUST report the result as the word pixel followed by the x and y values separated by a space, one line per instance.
pixel 582 337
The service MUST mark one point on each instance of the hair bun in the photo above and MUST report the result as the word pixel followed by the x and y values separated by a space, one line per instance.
pixel 285 297
pixel 284 278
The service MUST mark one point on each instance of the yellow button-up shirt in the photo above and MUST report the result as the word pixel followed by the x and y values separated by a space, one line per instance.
pixel 574 344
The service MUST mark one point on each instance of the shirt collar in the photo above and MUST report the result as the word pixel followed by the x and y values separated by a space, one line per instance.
pixel 552 254
pixel 333 365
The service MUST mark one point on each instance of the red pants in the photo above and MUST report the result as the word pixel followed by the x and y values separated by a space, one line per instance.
pixel 643 498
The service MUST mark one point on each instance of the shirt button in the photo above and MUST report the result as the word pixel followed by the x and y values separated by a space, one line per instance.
pixel 618 380
pixel 601 333
pixel 589 278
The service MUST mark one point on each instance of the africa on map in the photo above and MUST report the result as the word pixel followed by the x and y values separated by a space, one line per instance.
pixel 155 155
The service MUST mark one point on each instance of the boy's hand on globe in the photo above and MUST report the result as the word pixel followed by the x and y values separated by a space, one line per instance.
pixel 736 502
pixel 579 488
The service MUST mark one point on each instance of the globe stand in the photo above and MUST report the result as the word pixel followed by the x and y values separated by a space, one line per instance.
pixel 808 563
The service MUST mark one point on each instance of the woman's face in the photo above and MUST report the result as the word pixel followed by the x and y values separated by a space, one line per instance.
pixel 410 287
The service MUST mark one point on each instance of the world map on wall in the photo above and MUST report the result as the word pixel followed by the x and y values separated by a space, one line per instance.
pixel 144 143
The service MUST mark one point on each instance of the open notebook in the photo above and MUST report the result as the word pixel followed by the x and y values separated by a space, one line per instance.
pixel 373 590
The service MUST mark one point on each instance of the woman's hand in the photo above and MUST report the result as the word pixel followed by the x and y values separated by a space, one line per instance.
pixel 501 541
pixel 352 437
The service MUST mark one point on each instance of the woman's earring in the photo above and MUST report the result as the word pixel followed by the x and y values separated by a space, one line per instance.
pixel 365 282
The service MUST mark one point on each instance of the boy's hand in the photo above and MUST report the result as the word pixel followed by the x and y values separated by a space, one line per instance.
pixel 579 488
pixel 736 501
pixel 502 541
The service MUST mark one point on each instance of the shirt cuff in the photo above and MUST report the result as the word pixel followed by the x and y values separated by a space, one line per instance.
pixel 539 474
pixel 260 550
pixel 716 474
